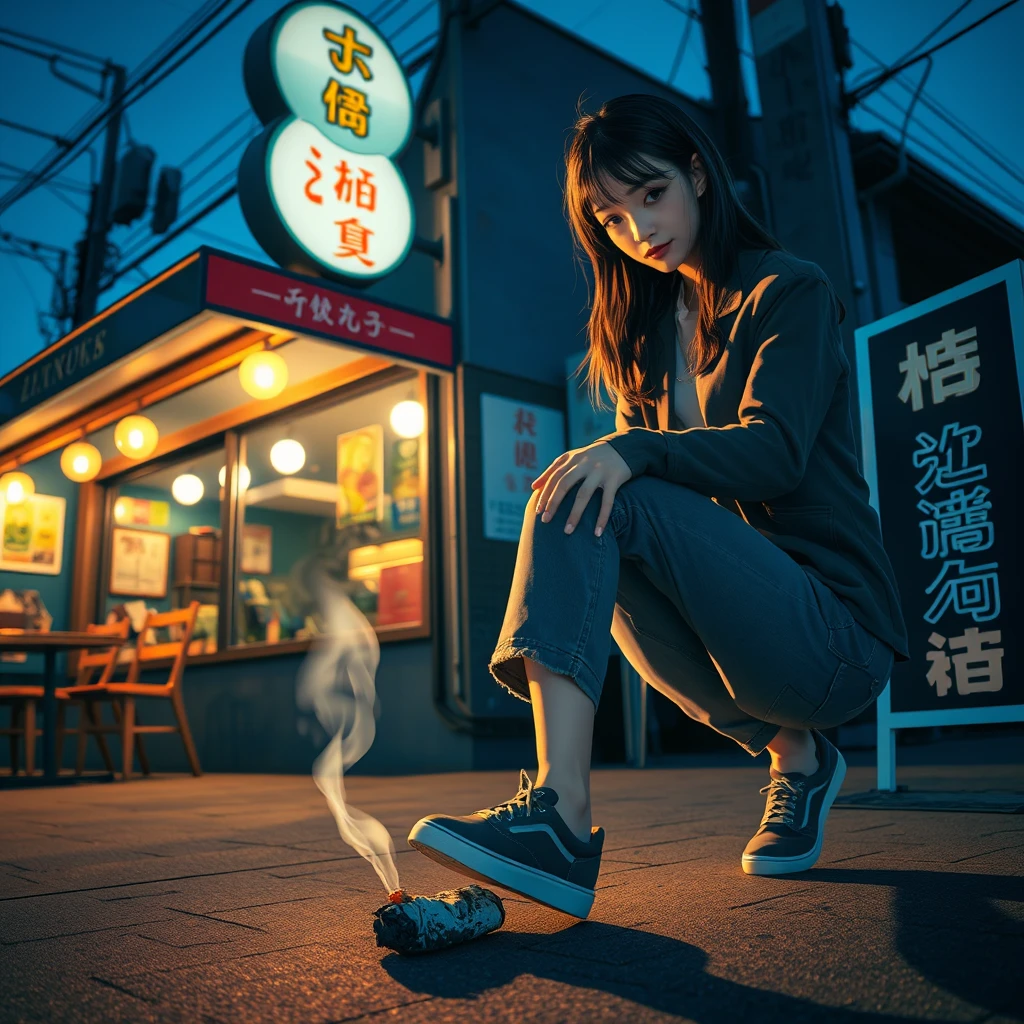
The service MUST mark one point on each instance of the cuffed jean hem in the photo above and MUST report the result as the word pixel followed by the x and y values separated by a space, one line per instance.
pixel 760 740
pixel 507 667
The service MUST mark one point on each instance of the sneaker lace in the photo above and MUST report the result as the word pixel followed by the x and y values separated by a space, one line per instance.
pixel 520 804
pixel 783 795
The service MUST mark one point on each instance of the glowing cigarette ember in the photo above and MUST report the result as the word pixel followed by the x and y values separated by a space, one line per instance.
pixel 422 924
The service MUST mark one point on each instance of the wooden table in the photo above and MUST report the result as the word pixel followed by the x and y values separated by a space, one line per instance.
pixel 49 645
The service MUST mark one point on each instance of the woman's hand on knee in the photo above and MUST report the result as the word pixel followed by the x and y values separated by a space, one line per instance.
pixel 598 465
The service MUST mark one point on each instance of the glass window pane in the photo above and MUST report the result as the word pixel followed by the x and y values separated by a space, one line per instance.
pixel 341 488
pixel 165 545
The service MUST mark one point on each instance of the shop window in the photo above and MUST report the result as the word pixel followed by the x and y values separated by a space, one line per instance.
pixel 340 488
pixel 164 544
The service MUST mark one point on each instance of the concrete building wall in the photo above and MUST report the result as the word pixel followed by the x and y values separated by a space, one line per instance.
pixel 520 79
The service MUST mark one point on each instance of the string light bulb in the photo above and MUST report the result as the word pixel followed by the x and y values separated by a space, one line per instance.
pixel 136 437
pixel 263 374
pixel 408 419
pixel 287 456
pixel 187 489
pixel 16 487
pixel 244 477
pixel 81 461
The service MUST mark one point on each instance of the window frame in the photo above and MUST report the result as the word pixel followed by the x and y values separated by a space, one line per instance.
pixel 97 530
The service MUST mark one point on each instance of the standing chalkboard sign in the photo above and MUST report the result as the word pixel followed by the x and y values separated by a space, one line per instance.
pixel 941 386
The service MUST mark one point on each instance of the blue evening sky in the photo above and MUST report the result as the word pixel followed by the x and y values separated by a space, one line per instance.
pixel 977 80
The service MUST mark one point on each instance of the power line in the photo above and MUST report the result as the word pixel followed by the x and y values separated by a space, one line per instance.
pixel 683 43
pixel 28 130
pixel 856 95
pixel 49 42
pixel 71 186
pixel 935 31
pixel 429 38
pixel 994 189
pixel 688 11
pixel 944 114
pixel 139 87
pixel 50 58
pixel 411 21
pixel 995 186
pixel 216 137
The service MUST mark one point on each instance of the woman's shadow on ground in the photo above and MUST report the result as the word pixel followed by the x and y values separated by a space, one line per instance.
pixel 949 929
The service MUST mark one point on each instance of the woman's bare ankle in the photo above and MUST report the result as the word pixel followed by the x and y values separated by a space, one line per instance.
pixel 573 803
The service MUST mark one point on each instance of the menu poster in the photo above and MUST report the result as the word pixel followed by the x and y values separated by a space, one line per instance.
pixel 33 535
pixel 400 595
pixel 256 549
pixel 361 476
pixel 405 484
pixel 138 563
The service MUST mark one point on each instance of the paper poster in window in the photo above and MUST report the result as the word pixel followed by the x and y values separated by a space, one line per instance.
pixel 33 537
pixel 138 563
pixel 256 549
pixel 405 484
pixel 361 475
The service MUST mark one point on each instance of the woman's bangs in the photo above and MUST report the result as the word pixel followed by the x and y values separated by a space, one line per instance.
pixel 602 165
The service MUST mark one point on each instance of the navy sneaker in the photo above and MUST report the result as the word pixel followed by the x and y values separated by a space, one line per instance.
pixel 522 845
pixel 793 825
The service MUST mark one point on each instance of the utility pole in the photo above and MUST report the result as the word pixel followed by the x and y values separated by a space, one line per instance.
pixel 721 45
pixel 92 254
pixel 807 147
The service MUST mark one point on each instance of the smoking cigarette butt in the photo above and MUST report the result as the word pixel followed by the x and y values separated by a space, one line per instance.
pixel 422 924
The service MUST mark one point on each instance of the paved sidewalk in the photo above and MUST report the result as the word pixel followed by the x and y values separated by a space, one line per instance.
pixel 231 899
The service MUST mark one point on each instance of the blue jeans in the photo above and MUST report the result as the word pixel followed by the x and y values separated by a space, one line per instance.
pixel 705 608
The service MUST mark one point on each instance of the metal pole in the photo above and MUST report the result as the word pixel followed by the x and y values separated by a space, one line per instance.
pixel 718 23
pixel 95 241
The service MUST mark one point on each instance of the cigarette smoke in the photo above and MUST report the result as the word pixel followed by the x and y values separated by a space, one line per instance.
pixel 337 682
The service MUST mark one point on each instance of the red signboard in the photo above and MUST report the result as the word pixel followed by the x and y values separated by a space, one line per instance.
pixel 318 307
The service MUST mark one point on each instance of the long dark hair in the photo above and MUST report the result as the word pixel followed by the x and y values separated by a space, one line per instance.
pixel 629 298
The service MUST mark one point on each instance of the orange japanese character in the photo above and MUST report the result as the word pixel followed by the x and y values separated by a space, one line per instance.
pixel 344 59
pixel 346 107
pixel 313 197
pixel 355 240
pixel 365 190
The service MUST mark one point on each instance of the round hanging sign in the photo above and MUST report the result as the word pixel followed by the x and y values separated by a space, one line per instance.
pixel 318 187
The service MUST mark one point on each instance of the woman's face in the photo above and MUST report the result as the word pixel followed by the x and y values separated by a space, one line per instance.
pixel 658 223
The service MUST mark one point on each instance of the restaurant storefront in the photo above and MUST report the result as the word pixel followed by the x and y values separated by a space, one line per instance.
pixel 219 436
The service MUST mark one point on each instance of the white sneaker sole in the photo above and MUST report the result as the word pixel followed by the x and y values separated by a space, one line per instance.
pixel 755 865
pixel 451 850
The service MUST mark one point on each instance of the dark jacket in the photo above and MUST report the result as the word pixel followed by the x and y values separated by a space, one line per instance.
pixel 779 448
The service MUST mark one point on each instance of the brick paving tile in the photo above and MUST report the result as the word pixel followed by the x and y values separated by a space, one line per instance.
pixel 231 899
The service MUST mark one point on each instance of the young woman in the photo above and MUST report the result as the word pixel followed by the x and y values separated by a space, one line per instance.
pixel 722 535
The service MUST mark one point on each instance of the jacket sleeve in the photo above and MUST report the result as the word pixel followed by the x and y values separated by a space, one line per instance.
pixel 788 391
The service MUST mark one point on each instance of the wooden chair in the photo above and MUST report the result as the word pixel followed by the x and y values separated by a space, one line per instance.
pixel 22 702
pixel 95 668
pixel 123 695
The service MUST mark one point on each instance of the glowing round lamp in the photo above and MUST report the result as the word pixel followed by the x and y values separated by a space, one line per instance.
pixel 287 456
pixel 123 510
pixel 16 486
pixel 407 419
pixel 136 437
pixel 80 461
pixel 244 477
pixel 187 489
pixel 263 374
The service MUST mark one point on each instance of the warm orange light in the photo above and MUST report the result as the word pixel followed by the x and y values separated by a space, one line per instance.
pixel 136 437
pixel 263 374
pixel 187 489
pixel 408 418
pixel 287 456
pixel 16 486
pixel 80 461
